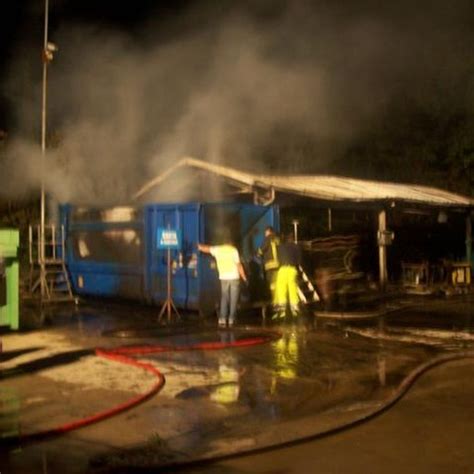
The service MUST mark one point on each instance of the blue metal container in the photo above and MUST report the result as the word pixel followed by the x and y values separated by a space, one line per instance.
pixel 114 252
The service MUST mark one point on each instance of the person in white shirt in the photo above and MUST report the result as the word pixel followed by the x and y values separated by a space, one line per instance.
pixel 230 270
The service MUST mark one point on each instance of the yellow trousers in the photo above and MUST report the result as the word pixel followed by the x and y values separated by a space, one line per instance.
pixel 286 290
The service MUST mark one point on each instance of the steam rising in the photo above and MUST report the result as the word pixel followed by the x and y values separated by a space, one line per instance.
pixel 283 87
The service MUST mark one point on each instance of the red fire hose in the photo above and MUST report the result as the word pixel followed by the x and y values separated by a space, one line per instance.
pixel 125 355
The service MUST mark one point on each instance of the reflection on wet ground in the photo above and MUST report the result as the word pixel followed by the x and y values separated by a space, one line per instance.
pixel 216 402
pixel 447 324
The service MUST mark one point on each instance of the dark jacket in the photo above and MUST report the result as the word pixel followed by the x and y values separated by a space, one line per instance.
pixel 289 253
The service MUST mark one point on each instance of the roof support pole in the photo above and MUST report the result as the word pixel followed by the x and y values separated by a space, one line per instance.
pixel 382 219
pixel 43 153
pixel 469 238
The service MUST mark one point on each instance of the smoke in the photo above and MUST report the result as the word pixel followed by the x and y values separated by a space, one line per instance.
pixel 282 86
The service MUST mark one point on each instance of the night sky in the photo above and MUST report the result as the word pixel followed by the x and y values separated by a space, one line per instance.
pixel 370 89
pixel 22 22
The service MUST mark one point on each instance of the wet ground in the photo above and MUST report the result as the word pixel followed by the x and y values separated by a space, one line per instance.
pixel 318 376
pixel 429 431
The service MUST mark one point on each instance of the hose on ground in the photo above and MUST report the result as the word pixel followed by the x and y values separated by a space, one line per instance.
pixel 401 390
pixel 125 355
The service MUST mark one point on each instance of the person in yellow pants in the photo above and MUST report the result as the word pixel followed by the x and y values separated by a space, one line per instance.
pixel 286 292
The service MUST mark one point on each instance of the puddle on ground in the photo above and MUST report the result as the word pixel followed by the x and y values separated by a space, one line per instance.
pixel 215 402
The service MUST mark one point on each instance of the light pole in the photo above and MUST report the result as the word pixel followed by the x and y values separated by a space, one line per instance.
pixel 47 56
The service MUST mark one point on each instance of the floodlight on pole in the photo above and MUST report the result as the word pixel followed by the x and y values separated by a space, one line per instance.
pixel 47 56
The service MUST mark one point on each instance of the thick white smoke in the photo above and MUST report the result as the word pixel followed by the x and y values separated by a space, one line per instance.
pixel 283 90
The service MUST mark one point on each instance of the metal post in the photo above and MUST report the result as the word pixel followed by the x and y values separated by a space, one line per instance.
pixel 168 298
pixel 38 243
pixel 469 238
pixel 382 249
pixel 43 152
pixel 63 244
pixel 168 305
pixel 30 245
pixel 53 241
pixel 295 230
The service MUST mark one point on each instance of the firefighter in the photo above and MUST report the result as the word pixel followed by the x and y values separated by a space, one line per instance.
pixel 268 252
pixel 286 292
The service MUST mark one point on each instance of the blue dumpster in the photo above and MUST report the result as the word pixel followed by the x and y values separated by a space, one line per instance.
pixel 114 252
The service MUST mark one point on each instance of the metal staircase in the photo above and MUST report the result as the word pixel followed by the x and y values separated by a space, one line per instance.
pixel 48 272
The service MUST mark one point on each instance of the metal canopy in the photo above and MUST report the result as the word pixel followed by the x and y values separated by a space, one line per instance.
pixel 327 188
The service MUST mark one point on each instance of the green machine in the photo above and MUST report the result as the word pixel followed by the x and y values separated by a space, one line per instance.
pixel 9 278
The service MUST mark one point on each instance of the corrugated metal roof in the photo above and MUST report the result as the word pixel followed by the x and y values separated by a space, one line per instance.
pixel 339 188
pixel 331 188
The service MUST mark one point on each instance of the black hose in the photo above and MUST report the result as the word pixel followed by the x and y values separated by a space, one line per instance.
pixel 396 396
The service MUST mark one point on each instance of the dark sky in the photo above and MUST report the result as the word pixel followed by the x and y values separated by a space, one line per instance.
pixel 314 85
pixel 22 23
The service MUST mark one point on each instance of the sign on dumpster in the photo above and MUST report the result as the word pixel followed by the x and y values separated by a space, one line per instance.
pixel 167 239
